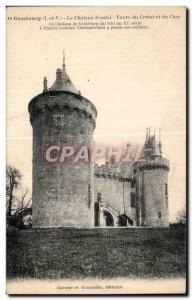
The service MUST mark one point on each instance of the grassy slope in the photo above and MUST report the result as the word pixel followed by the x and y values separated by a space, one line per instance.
pixel 62 253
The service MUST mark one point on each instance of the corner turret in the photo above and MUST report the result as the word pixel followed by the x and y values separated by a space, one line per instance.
pixel 151 172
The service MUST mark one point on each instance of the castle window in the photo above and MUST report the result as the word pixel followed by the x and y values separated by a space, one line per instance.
pixel 166 189
pixel 132 199
pixel 98 197
pixel 159 215
pixel 89 195
pixel 166 202
pixel 132 184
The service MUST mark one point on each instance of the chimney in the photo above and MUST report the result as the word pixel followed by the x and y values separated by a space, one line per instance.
pixel 59 75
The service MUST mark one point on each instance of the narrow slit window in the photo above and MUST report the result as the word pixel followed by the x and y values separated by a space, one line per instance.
pixel 98 197
pixel 89 195
pixel 166 189
pixel 132 199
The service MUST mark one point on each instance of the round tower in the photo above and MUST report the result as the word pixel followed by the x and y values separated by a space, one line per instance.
pixel 151 172
pixel 63 121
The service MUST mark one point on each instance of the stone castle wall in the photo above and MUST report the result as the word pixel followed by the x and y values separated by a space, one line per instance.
pixel 115 190
pixel 155 202
pixel 153 198
pixel 62 192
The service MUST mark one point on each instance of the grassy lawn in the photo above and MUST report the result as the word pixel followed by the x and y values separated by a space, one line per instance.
pixel 79 253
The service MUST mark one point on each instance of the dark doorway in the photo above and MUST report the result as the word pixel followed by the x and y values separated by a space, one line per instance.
pixel 108 218
pixel 124 220
pixel 96 214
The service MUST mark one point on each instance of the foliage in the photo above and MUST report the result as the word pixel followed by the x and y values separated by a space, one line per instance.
pixel 13 181
pixel 18 200
pixel 181 216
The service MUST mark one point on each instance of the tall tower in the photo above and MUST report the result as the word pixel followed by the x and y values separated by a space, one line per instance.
pixel 151 172
pixel 62 190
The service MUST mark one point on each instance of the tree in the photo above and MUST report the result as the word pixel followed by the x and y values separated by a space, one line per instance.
pixel 23 202
pixel 181 216
pixel 13 181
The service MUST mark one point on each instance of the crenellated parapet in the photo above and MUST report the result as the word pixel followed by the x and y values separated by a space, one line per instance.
pixel 113 172
pixel 153 163
pixel 62 101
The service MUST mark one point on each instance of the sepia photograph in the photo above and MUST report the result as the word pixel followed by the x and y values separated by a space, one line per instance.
pixel 96 150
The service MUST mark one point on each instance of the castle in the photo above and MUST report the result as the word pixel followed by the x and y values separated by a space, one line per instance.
pixel 83 194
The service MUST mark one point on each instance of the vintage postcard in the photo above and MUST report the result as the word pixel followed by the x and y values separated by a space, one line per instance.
pixel 96 150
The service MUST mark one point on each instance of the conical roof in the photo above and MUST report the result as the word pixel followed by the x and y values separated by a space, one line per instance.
pixel 63 82
pixel 151 147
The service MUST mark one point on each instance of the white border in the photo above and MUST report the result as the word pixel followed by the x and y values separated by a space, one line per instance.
pixel 3 4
